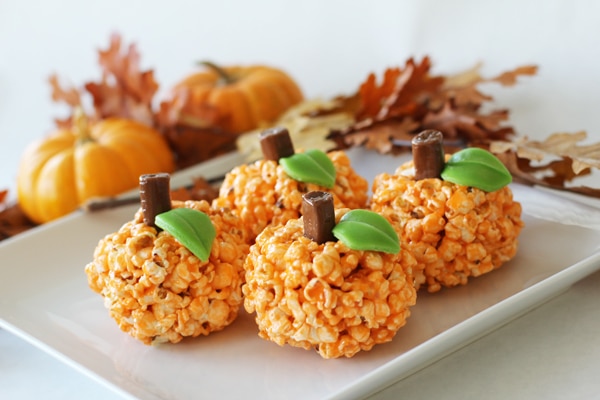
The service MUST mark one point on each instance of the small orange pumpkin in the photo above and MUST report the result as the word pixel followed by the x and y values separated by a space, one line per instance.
pixel 242 97
pixel 60 172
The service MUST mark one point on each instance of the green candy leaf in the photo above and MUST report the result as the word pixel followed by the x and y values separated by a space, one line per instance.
pixel 192 228
pixel 367 230
pixel 312 166
pixel 477 168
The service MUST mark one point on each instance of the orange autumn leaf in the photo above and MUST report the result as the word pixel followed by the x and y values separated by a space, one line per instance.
pixel 450 104
pixel 71 96
pixel 398 92
pixel 566 145
pixel 467 124
pixel 3 197
pixel 374 95
pixel 554 162
pixel 125 90
pixel 509 78
pixel 384 135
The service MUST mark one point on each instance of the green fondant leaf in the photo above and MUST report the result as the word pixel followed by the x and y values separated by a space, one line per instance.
pixel 192 228
pixel 367 230
pixel 477 168
pixel 312 166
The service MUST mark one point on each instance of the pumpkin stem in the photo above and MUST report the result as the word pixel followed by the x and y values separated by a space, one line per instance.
pixel 319 216
pixel 223 75
pixel 81 126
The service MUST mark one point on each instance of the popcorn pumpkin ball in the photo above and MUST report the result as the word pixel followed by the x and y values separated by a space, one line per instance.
pixel 270 190
pixel 456 215
pixel 174 271
pixel 310 290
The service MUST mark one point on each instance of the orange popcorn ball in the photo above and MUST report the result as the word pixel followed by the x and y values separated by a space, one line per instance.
pixel 326 296
pixel 263 193
pixel 454 231
pixel 158 291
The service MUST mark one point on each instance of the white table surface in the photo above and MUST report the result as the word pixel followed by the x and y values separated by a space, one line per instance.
pixel 552 352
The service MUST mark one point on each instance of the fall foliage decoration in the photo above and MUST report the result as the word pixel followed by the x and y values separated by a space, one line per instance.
pixel 124 91
pixel 386 116
pixel 411 99
pixel 60 172
pixel 554 162
pixel 12 219
pixel 383 113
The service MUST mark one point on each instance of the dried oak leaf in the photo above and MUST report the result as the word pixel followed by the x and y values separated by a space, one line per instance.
pixel 71 96
pixel 451 104
pixel 3 197
pixel 403 91
pixel 462 87
pixel 309 123
pixel 509 78
pixel 558 144
pixel 12 219
pixel 568 160
pixel 201 189
pixel 385 136
pixel 125 90
pixel 468 125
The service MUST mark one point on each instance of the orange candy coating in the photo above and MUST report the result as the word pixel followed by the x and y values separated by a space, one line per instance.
pixel 158 291
pixel 326 296
pixel 454 232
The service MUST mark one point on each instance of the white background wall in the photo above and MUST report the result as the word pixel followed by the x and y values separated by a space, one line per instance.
pixel 328 46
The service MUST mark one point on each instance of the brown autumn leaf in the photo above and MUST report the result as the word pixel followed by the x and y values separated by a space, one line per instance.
pixel 555 162
pixel 387 137
pixel 373 95
pixel 414 89
pixel 451 104
pixel 201 189
pixel 124 90
pixel 401 93
pixel 71 96
pixel 510 78
pixel 12 219
pixel 555 174
pixel 188 137
pixel 468 125
pixel 555 145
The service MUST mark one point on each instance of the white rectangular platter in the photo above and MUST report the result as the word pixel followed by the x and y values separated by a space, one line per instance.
pixel 44 298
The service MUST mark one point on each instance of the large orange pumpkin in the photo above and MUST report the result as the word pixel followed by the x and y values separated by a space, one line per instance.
pixel 242 97
pixel 59 172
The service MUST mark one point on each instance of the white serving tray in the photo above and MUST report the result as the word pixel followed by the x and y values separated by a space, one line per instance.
pixel 44 298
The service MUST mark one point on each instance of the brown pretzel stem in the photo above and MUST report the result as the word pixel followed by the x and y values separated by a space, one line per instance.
pixel 155 196
pixel 319 216
pixel 428 154
pixel 276 143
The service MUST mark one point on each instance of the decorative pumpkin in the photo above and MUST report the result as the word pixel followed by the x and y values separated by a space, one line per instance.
pixel 60 172
pixel 237 98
